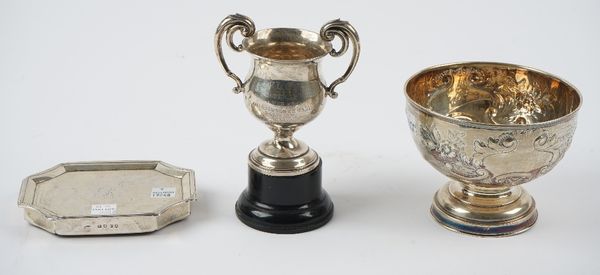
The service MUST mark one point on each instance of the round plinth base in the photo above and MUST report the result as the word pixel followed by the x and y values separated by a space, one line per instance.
pixel 484 211
pixel 284 204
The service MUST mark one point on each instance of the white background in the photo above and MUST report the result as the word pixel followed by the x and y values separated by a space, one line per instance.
pixel 112 80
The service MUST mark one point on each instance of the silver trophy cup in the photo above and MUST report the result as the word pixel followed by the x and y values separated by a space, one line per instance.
pixel 284 90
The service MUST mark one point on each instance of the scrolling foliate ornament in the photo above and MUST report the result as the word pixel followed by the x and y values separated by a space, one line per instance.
pixel 450 151
pixel 555 144
pixel 521 101
pixel 512 97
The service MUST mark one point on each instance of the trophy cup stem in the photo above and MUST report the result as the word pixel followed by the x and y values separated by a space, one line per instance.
pixel 484 211
pixel 284 139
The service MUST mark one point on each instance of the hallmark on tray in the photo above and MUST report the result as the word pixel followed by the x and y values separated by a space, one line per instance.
pixel 108 226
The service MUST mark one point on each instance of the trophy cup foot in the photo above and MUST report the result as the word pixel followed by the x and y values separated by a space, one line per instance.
pixel 491 212
pixel 284 204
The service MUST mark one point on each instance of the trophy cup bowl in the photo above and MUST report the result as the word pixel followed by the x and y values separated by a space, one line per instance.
pixel 490 127
pixel 285 91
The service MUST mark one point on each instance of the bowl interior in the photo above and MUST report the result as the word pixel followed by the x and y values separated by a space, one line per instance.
pixel 287 44
pixel 493 93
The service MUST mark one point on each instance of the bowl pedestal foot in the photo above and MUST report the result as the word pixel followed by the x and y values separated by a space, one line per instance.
pixel 484 211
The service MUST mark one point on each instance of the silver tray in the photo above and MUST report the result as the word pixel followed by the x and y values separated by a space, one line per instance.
pixel 100 198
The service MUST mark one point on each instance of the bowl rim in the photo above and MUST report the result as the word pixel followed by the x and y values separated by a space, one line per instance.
pixel 326 45
pixel 474 124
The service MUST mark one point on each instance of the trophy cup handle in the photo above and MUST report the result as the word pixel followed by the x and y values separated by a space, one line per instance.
pixel 229 25
pixel 346 32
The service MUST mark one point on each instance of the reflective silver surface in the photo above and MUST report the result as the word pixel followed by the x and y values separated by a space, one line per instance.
pixel 100 198
pixel 284 88
pixel 490 127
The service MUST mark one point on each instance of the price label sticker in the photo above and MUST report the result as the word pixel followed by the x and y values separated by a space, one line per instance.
pixel 163 192
pixel 104 209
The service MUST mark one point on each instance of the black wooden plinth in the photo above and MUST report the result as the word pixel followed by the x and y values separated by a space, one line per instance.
pixel 284 204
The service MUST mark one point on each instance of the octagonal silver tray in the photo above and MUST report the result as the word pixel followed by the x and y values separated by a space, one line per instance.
pixel 100 198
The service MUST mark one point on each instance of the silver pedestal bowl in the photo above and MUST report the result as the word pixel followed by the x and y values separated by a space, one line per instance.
pixel 489 127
